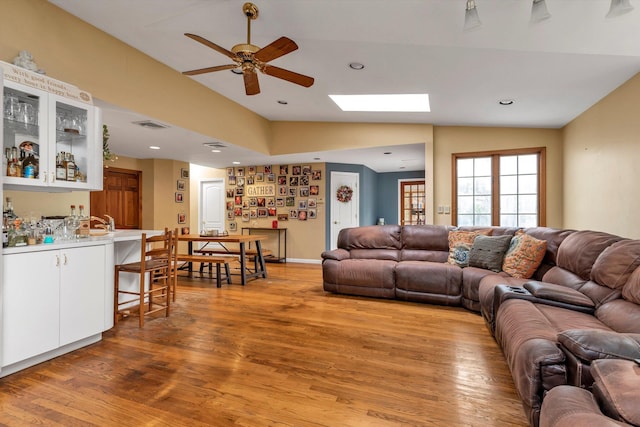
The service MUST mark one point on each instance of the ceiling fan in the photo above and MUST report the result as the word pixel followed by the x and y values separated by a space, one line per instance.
pixel 250 58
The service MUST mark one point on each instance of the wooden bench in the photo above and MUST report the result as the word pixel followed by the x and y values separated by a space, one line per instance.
pixel 223 251
pixel 208 259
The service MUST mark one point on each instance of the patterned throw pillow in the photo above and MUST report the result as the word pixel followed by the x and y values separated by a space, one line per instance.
pixel 460 243
pixel 524 256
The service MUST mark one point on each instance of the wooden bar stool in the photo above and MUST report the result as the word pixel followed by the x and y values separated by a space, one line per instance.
pixel 156 278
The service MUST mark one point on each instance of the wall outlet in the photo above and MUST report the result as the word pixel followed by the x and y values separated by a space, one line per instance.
pixel 440 210
pixel 447 210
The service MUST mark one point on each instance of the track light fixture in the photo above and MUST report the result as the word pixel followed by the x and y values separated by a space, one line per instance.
pixel 539 11
pixel 619 7
pixel 471 18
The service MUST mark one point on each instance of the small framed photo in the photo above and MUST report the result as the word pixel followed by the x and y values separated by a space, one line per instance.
pixel 293 214
pixel 271 178
pixel 245 216
pixel 312 214
pixel 238 201
pixel 230 215
pixel 251 170
pixel 238 211
pixel 271 202
pixel 279 202
pixel 293 181
pixel 296 170
pixel 182 218
pixel 179 197
pixel 293 191
pixel 229 205
pixel 283 217
pixel 282 190
pixel 304 191
pixel 185 230
pixel 314 190
pixel 253 202
pixel 304 180
pixel 229 171
pixel 250 179
pixel 290 201
pixel 230 193
pixel 233 226
pixel 239 171
pixel 240 181
pixel 232 180
pixel 239 191
pixel 180 185
pixel 312 203
pixel 302 215
pixel 306 170
pixel 302 205
pixel 184 173
pixel 259 177
pixel 253 213
pixel 284 169
pixel 267 169
pixel 272 211
pixel 316 175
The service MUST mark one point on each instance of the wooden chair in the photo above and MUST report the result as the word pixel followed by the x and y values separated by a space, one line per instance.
pixel 156 278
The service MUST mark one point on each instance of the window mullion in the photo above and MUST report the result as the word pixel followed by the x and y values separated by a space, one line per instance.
pixel 495 190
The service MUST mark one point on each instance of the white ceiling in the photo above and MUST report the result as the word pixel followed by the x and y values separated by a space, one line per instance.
pixel 553 70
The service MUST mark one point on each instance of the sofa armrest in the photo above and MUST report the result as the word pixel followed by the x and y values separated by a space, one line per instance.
pixel 336 254
pixel 592 344
pixel 615 389
pixel 560 296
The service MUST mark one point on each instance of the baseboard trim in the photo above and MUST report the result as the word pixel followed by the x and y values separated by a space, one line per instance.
pixel 304 261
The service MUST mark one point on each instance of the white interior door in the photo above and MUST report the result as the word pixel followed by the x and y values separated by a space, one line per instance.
pixel 212 203
pixel 344 215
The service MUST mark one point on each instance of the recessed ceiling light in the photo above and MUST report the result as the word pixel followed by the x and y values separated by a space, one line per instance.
pixel 407 103
pixel 282 102
pixel 316 158
pixel 216 151
pixel 236 163
pixel 387 152
pixel 236 70
pixel 356 66
pixel 154 147
pixel 506 102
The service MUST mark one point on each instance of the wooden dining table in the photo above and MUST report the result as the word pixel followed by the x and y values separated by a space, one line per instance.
pixel 242 240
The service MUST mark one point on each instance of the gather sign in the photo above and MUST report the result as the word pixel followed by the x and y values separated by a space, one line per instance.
pixel 261 190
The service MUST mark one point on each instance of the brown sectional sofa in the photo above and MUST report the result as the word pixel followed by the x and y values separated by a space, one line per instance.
pixel 587 285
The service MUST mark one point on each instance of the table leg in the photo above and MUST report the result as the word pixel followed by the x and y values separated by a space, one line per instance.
pixel 260 259
pixel 190 246
pixel 243 265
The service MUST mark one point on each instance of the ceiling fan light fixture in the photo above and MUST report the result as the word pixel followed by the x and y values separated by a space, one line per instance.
pixel 237 71
pixel 619 7
pixel 356 66
pixel 471 17
pixel 539 11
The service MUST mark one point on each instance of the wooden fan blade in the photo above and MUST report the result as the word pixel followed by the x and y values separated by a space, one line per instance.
pixel 212 45
pixel 281 73
pixel 210 69
pixel 251 85
pixel 278 48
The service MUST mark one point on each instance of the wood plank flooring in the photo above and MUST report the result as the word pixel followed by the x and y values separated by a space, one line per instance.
pixel 277 352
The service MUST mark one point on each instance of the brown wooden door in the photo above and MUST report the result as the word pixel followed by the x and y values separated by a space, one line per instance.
pixel 412 202
pixel 120 197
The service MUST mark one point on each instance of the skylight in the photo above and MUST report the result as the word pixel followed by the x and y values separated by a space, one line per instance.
pixel 407 103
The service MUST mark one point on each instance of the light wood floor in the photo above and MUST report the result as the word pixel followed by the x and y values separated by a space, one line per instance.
pixel 278 352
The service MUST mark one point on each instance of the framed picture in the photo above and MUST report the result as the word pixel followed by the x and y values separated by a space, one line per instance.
pixel 271 178
pixel 184 173
pixel 293 191
pixel 284 169
pixel 282 190
pixel 179 197
pixel 245 216
pixel 316 175
pixel 230 193
pixel 240 181
pixel 293 181
pixel 238 201
pixel 238 211
pixel 229 171
pixel 251 170
pixel 180 185
pixel 232 180
pixel 185 230
pixel 272 211
pixel 296 170
pixel 230 215
pixel 293 214
pixel 279 202
pixel 302 204
pixel 253 202
pixel 259 177
pixel 306 170
pixel 314 190
pixel 312 214
pixel 312 203
pixel 229 205
pixel 267 169
pixel 233 226
pixel 182 218
pixel 250 179
pixel 283 217
pixel 302 215
pixel 239 171
pixel 304 180
pixel 290 201
pixel 304 191
pixel 239 191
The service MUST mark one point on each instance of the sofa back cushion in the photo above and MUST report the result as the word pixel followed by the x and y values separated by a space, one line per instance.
pixel 579 251
pixel 370 237
pixel 553 237
pixel 631 290
pixel 616 263
pixel 425 243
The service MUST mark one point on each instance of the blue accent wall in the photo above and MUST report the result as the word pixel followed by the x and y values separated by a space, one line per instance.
pixel 387 200
pixel 378 194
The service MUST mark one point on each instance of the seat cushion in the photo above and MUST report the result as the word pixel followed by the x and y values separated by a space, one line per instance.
pixel 616 388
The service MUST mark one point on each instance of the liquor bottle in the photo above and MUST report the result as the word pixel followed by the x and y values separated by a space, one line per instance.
pixel 61 170
pixel 14 168
pixel 30 166
pixel 84 224
pixel 71 224
pixel 5 160
pixel 71 167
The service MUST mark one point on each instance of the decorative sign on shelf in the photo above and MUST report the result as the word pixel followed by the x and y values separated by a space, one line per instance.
pixel 42 82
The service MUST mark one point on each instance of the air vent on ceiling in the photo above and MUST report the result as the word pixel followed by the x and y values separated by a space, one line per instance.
pixel 214 145
pixel 150 125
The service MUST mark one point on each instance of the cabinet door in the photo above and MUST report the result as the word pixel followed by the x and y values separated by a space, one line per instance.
pixel 82 294
pixel 72 131
pixel 30 319
pixel 25 122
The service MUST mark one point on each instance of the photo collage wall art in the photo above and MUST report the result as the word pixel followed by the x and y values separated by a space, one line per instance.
pixel 278 192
